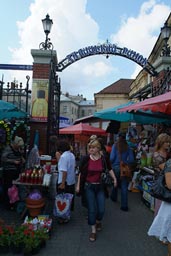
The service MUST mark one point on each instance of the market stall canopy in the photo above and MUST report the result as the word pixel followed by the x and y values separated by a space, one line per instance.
pixel 9 110
pixel 83 129
pixel 140 116
pixel 160 104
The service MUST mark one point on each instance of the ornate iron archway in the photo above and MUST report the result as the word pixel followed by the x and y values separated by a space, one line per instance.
pixel 107 49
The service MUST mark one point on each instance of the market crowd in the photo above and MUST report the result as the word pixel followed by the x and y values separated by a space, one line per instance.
pixel 145 146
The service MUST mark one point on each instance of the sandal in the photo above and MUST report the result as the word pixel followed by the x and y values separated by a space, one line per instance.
pixel 92 237
pixel 99 226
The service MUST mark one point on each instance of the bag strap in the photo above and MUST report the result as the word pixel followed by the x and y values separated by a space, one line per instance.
pixel 104 164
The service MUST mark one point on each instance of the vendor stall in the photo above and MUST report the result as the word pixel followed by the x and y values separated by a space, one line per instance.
pixel 36 186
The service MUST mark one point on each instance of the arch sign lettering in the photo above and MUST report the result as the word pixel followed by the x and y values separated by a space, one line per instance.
pixel 107 49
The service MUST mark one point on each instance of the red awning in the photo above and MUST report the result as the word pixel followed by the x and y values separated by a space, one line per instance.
pixel 161 103
pixel 82 128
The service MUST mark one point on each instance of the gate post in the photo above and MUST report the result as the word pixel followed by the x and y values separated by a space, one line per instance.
pixel 42 96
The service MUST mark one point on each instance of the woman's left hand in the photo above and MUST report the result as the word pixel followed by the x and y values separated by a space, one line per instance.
pixel 115 183
pixel 111 172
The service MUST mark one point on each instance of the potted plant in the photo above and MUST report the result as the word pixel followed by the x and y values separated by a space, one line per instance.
pixel 17 239
pixel 5 238
pixel 31 241
pixel 43 236
pixel 34 203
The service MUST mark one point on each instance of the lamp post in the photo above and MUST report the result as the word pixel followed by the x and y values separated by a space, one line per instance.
pixel 165 33
pixel 47 25
pixel 54 88
pixel 1 89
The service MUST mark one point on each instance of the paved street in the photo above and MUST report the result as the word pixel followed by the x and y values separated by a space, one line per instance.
pixel 123 234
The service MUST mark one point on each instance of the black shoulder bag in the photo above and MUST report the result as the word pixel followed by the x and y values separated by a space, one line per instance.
pixel 159 189
pixel 106 179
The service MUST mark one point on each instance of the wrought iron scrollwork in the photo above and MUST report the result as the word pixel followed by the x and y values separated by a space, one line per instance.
pixel 47 45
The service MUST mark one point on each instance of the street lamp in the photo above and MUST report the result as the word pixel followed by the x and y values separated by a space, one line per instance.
pixel 47 25
pixel 165 33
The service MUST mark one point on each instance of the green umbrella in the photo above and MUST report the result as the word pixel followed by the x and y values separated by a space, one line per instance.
pixel 7 106
pixel 9 110
pixel 12 114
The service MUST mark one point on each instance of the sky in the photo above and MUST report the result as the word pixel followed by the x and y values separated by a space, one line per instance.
pixel 134 24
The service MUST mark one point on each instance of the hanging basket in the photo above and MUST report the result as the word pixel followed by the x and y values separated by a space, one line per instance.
pixel 35 206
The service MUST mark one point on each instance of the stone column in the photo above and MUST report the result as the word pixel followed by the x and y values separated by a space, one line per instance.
pixel 42 62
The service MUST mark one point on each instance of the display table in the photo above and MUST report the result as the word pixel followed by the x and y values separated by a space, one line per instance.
pixel 145 181
pixel 18 182
pixel 43 188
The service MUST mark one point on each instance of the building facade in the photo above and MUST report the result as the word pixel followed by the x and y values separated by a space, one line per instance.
pixel 113 95
pixel 74 107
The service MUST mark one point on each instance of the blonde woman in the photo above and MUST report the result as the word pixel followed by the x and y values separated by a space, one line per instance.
pixel 161 226
pixel 91 168
pixel 159 158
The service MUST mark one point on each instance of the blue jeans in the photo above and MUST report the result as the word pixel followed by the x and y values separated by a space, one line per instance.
pixel 123 183
pixel 95 197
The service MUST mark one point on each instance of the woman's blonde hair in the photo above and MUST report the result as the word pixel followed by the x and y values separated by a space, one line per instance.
pixel 161 139
pixel 94 142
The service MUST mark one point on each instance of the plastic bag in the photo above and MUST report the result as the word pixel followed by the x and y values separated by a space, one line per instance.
pixel 33 157
pixel 13 194
pixel 62 207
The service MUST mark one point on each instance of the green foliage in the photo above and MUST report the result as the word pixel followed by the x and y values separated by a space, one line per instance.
pixel 5 235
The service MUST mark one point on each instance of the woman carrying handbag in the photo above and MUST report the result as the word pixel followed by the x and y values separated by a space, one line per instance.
pixel 90 184
pixel 121 152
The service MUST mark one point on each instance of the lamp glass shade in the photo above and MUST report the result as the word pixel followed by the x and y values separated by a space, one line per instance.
pixel 47 24
pixel 165 31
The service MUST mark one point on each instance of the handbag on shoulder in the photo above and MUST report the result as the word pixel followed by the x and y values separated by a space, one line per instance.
pixel 159 189
pixel 106 179
pixel 125 170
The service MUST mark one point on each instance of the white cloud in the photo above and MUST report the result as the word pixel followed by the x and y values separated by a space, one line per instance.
pixel 73 28
pixel 140 33
pixel 98 69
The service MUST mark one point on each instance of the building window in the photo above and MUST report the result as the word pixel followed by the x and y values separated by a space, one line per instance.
pixel 89 112
pixel 65 109
pixel 82 112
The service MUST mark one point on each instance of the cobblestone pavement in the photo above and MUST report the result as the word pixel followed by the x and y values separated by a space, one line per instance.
pixel 123 233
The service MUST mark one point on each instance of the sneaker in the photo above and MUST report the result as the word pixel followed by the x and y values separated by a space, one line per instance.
pixel 99 226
